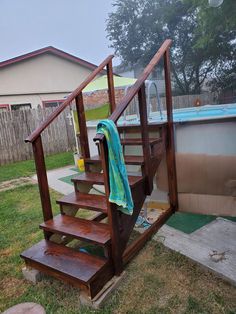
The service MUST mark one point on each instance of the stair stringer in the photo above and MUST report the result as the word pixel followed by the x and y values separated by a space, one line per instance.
pixel 127 222
pixel 139 195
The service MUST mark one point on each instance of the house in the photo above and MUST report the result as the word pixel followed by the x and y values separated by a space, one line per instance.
pixel 133 71
pixel 42 78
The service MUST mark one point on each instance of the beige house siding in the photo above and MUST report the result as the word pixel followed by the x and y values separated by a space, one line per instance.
pixel 44 77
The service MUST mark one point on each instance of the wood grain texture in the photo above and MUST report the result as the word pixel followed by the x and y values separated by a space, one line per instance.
pixel 42 179
pixel 79 265
pixel 84 144
pixel 129 160
pixel 87 230
pixel 88 272
pixel 98 178
pixel 139 141
pixel 111 89
pixel 145 139
pixel 87 201
pixel 170 143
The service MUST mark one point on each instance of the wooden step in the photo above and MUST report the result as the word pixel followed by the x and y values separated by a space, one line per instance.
pixel 138 141
pixel 86 201
pixel 129 160
pixel 134 128
pixel 87 230
pixel 83 270
pixel 98 178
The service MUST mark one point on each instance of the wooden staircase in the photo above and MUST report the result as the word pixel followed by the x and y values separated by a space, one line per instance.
pixel 107 229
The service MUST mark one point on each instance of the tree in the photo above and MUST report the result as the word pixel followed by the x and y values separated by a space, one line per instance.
pixel 138 27
pixel 218 28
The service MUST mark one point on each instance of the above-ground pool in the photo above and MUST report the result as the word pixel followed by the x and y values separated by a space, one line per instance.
pixel 188 114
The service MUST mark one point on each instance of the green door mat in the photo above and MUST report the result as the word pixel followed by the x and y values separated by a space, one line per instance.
pixel 188 222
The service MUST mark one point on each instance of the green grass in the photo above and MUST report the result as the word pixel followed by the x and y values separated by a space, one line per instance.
pixel 157 280
pixel 27 168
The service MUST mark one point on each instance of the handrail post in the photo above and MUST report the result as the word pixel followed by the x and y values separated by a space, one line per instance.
pixel 170 146
pixel 84 144
pixel 112 212
pixel 42 178
pixel 145 137
pixel 111 89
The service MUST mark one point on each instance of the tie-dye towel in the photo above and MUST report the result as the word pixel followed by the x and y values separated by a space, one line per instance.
pixel 120 193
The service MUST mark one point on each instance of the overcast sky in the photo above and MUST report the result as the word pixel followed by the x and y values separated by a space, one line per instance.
pixel 75 26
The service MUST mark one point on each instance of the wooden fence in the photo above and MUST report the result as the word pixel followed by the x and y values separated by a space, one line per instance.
pixel 186 101
pixel 16 125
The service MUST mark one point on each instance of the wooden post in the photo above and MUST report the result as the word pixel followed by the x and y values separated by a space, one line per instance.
pixel 111 89
pixel 145 138
pixel 170 144
pixel 82 126
pixel 42 178
pixel 113 214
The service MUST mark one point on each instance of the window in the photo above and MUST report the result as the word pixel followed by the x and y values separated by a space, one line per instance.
pixel 21 106
pixel 4 107
pixel 52 103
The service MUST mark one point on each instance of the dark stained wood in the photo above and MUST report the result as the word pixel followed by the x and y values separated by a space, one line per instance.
pixel 99 217
pixel 145 139
pixel 78 265
pixel 77 268
pixel 84 145
pixel 137 244
pixel 67 102
pixel 128 221
pixel 113 215
pixel 137 85
pixel 83 270
pixel 129 160
pixel 42 178
pixel 134 128
pixel 98 178
pixel 111 89
pixel 139 141
pixel 170 144
pixel 86 201
pixel 87 230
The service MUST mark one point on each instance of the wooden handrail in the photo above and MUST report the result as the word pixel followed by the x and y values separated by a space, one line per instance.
pixel 36 133
pixel 121 107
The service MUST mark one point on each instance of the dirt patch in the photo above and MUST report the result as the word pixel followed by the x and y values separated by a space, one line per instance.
pixel 7 252
pixel 12 184
pixel 12 287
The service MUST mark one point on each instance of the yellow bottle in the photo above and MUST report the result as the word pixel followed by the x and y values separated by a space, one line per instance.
pixel 81 164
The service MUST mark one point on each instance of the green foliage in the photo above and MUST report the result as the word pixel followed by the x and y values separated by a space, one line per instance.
pixel 203 37
pixel 27 168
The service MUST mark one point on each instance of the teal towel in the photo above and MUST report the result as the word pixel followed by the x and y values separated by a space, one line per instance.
pixel 120 193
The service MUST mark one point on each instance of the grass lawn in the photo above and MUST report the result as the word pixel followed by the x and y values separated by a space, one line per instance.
pixel 27 168
pixel 157 281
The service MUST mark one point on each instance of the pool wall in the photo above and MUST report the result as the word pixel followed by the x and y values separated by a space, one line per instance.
pixel 212 138
pixel 207 138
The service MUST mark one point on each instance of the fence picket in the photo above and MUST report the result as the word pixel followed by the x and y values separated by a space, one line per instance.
pixel 15 126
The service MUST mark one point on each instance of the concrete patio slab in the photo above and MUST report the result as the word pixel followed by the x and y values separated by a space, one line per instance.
pixel 54 181
pixel 212 246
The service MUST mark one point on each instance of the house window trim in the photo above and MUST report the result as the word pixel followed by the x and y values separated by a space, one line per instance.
pixel 26 106
pixel 7 106
pixel 44 102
